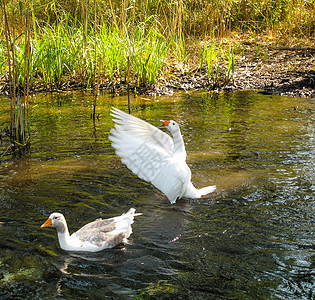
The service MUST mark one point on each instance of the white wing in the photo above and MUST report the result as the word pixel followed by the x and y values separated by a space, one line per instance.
pixel 146 151
pixel 139 128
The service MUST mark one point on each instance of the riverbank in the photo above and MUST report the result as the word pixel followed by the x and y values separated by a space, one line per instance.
pixel 282 71
pixel 156 48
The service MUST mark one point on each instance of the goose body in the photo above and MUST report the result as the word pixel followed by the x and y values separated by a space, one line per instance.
pixel 154 156
pixel 95 236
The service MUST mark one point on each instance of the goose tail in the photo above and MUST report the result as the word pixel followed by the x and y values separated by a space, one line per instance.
pixel 132 213
pixel 207 190
pixel 193 193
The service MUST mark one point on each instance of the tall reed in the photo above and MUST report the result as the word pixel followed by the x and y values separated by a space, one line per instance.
pixel 19 129
pixel 195 17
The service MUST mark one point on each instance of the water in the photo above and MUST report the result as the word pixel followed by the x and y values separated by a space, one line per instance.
pixel 252 239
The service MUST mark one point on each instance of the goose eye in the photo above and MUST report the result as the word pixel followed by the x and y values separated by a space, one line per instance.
pixel 55 218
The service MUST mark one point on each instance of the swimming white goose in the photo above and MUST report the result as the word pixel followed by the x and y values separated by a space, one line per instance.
pixel 154 156
pixel 95 236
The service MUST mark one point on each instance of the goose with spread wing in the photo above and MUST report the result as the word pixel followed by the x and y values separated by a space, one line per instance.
pixel 95 236
pixel 154 156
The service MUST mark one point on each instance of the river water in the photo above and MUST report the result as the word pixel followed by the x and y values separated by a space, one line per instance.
pixel 251 239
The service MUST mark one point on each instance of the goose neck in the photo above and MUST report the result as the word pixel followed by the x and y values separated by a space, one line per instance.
pixel 178 142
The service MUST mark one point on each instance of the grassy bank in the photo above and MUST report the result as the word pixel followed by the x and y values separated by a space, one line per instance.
pixel 63 56
pixel 81 44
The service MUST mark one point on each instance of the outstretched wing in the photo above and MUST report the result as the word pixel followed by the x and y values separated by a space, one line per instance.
pixel 147 152
pixel 139 128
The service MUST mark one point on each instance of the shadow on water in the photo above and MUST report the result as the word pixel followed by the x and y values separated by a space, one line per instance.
pixel 251 239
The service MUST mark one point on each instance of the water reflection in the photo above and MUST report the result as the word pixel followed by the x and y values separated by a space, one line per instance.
pixel 253 238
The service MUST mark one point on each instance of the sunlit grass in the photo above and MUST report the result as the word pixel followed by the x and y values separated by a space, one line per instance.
pixel 219 62
pixel 148 51
pixel 59 54
pixel 179 50
pixel 110 46
pixel 80 43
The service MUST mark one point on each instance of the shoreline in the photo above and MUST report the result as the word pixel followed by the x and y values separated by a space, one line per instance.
pixel 285 72
pixel 279 71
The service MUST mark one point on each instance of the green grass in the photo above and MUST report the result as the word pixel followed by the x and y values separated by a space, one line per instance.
pixel 60 54
pixel 74 42
pixel 147 51
pixel 219 62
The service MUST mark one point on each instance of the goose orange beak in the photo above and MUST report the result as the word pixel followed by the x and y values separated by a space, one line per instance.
pixel 166 123
pixel 47 223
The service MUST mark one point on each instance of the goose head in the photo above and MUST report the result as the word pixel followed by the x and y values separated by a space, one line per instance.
pixel 56 220
pixel 171 125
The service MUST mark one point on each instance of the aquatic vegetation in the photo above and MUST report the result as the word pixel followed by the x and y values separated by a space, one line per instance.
pixel 219 62
pixel 109 47
pixel 157 290
pixel 229 70
pixel 179 50
pixel 59 54
pixel 147 52
pixel 19 131
pixel 210 58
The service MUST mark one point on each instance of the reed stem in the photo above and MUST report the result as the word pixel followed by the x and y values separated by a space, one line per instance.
pixel 128 83
pixel 97 89
pixel 19 130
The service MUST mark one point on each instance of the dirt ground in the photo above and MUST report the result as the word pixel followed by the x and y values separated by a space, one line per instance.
pixel 281 71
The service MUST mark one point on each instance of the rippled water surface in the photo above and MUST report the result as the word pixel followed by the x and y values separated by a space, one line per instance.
pixel 251 239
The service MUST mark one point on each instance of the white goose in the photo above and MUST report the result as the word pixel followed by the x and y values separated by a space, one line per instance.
pixel 94 236
pixel 154 156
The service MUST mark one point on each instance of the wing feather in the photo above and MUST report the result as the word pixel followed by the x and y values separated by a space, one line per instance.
pixel 147 152
pixel 139 128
